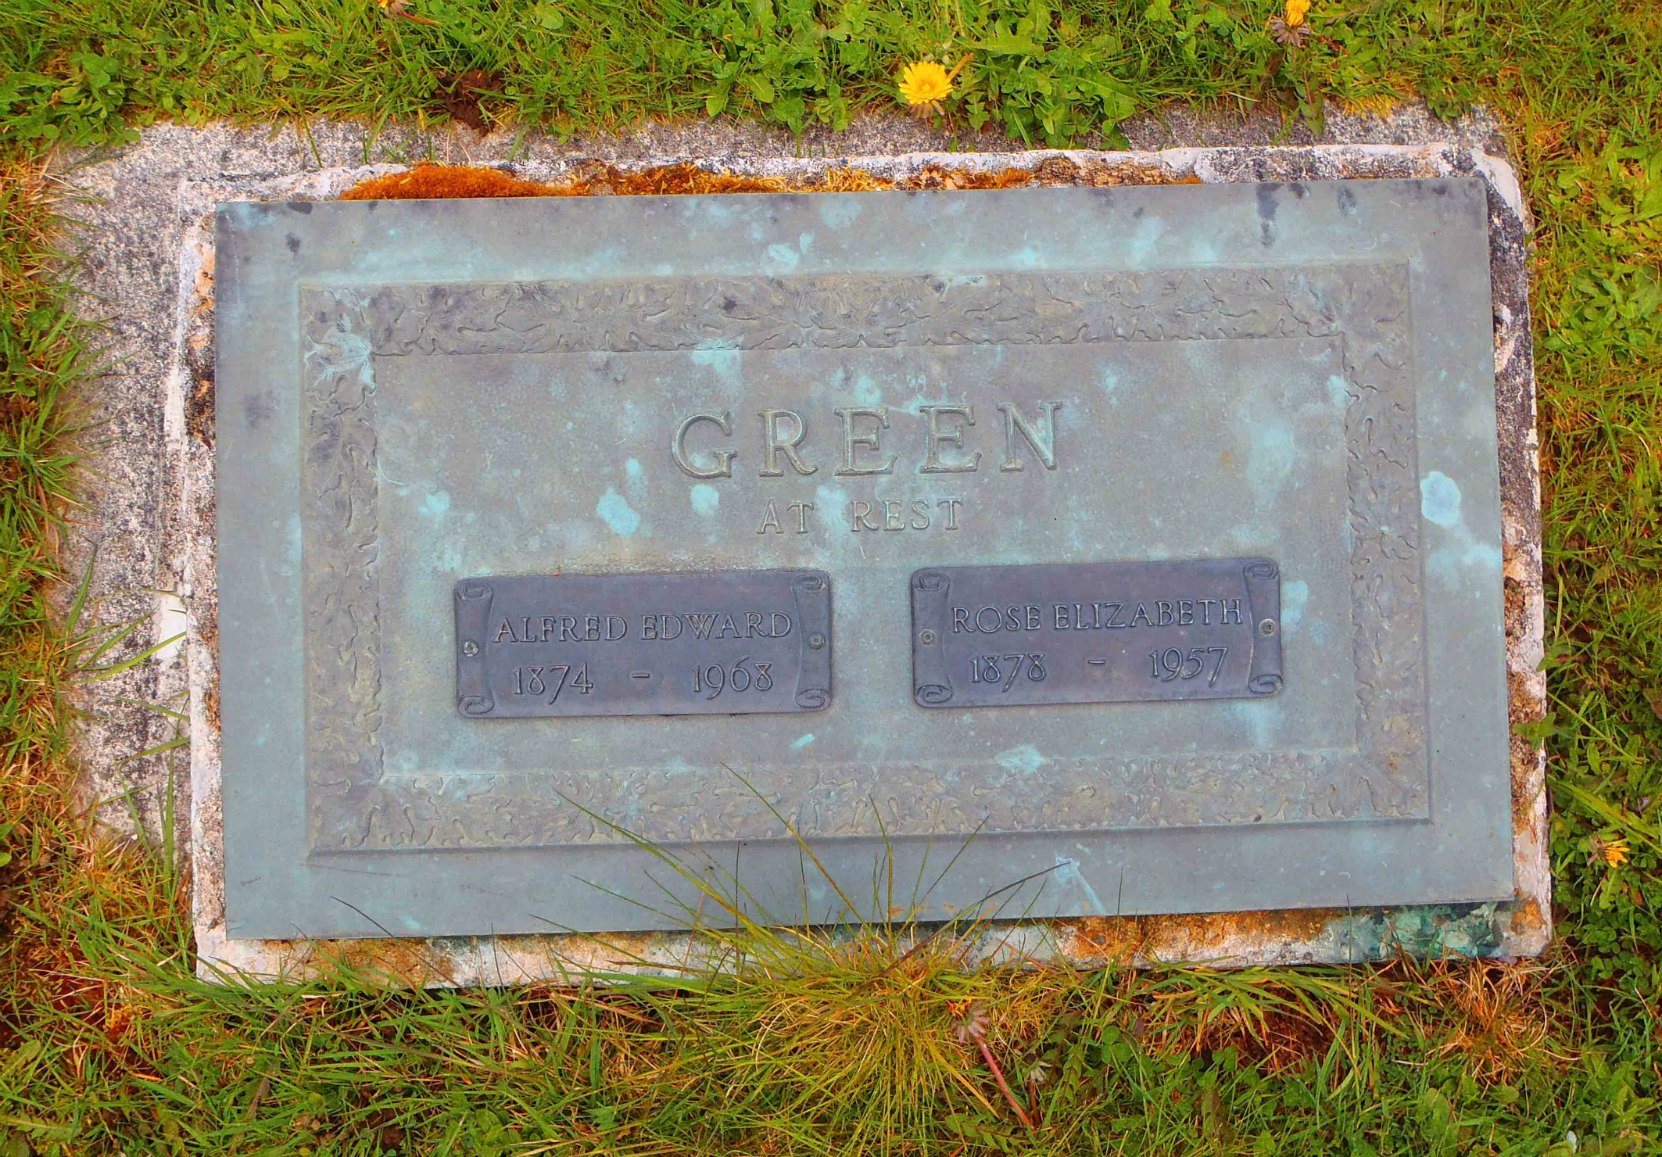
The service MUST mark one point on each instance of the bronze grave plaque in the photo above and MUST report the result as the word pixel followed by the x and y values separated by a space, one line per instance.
pixel 674 412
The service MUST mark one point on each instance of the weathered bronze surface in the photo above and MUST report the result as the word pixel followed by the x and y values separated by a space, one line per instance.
pixel 418 395
pixel 703 643
pixel 1007 636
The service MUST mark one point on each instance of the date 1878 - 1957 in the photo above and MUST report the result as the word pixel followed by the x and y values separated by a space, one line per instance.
pixel 985 636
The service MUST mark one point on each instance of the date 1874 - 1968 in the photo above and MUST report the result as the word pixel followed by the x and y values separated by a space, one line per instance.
pixel 724 642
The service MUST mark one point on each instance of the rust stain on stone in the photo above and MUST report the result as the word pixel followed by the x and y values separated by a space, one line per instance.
pixel 199 408
pixel 1527 919
pixel 1526 755
pixel 207 633
pixel 597 179
pixel 1126 938
pixel 410 962
pixel 1526 702
pixel 1522 705
pixel 434 181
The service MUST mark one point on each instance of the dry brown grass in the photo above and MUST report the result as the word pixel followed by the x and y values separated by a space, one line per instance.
pixel 1493 1017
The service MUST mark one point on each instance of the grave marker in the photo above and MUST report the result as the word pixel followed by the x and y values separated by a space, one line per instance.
pixel 1155 419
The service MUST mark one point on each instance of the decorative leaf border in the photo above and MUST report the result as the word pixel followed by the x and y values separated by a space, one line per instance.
pixel 352 806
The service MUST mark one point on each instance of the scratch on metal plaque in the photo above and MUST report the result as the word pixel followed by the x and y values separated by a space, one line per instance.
pixel 697 643
pixel 1111 632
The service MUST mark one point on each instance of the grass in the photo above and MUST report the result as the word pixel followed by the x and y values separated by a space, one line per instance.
pixel 108 1044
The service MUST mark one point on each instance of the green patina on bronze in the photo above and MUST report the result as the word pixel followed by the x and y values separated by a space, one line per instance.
pixel 418 393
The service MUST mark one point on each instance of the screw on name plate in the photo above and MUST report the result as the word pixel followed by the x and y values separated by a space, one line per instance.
pixel 470 648
pixel 927 637
pixel 1267 627
pixel 816 640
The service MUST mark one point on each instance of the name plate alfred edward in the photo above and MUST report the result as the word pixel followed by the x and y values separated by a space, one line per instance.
pixel 729 643
pixel 1139 545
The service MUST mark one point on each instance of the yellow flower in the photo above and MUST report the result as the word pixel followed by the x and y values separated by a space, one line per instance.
pixel 1297 10
pixel 925 83
pixel 401 8
pixel 1614 851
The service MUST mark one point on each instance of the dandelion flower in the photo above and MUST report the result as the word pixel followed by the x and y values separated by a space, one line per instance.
pixel 401 9
pixel 925 83
pixel 1614 851
pixel 1289 29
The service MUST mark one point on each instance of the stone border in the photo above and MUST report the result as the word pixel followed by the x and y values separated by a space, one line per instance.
pixel 153 512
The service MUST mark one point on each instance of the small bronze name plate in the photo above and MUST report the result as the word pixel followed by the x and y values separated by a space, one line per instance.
pixel 705 643
pixel 991 636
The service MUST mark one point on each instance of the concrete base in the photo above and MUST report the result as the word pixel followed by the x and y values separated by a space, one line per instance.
pixel 147 530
